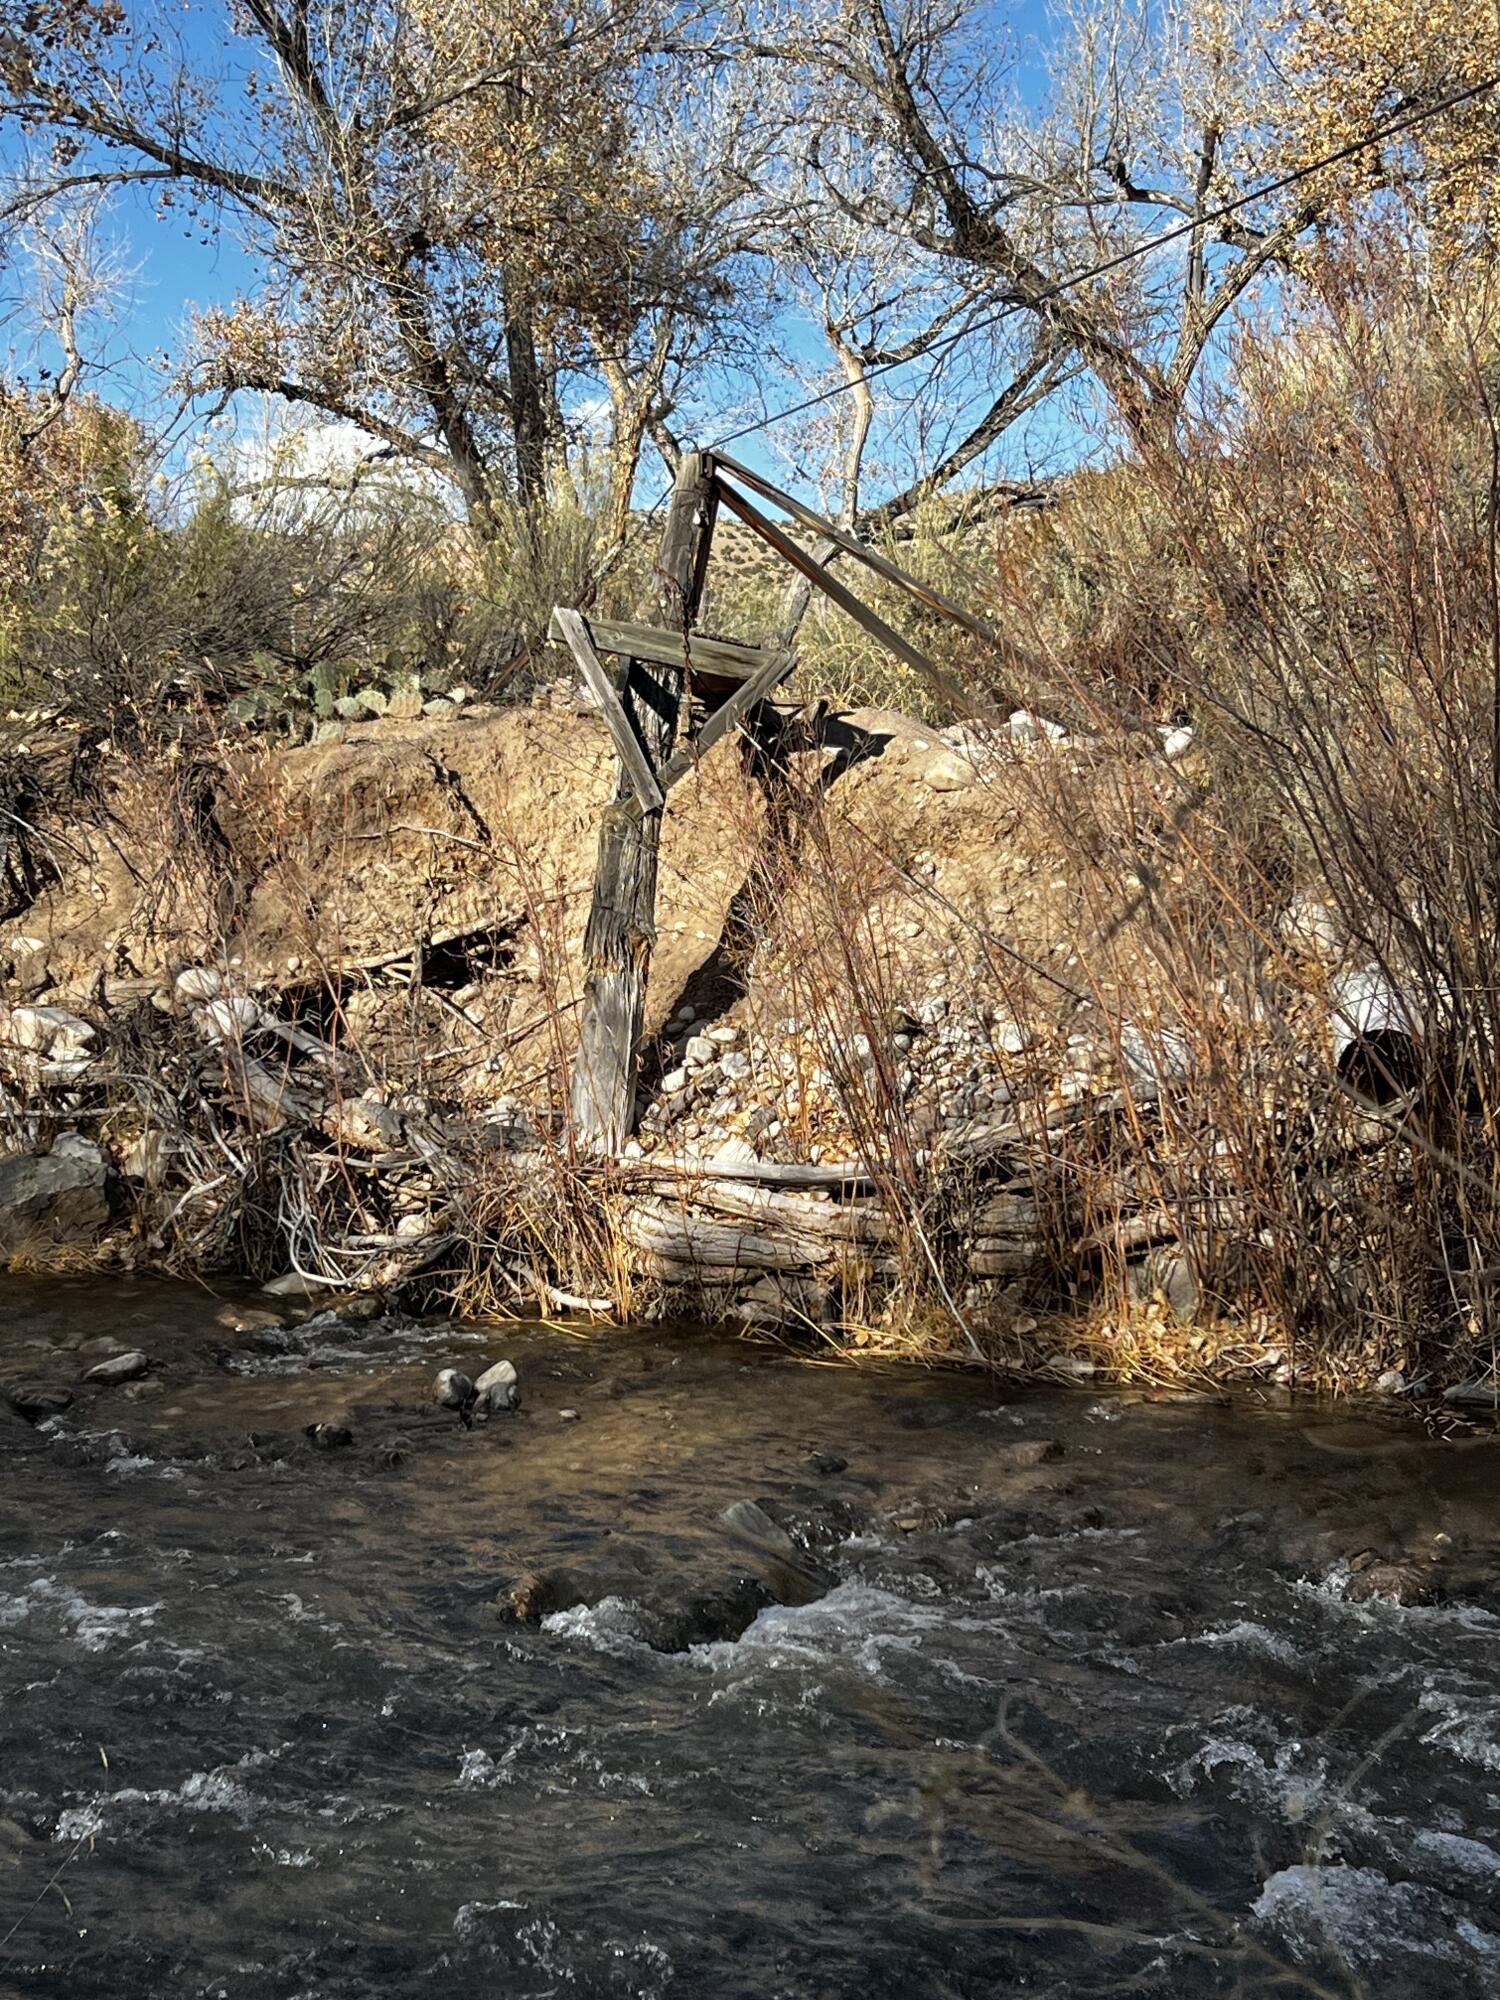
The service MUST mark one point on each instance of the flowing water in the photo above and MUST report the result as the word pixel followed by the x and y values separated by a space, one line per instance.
pixel 1084 1695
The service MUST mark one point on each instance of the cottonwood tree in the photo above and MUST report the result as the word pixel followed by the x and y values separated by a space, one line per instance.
pixel 1155 117
pixel 441 200
pixel 910 337
pixel 1354 65
pixel 685 306
pixel 62 452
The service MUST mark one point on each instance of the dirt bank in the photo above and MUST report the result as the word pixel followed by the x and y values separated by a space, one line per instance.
pixel 919 1066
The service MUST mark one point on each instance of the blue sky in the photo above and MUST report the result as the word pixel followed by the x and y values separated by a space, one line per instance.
pixel 174 265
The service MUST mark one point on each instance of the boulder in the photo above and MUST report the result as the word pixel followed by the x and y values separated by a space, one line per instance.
pixel 53 1198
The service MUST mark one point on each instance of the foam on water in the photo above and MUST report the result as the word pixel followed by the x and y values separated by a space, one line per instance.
pixel 92 1626
pixel 1468 1726
pixel 613 1625
pixel 1280 1774
pixel 1365 1917
pixel 546 1758
pixel 1250 1636
pixel 856 1624
pixel 216 1791
pixel 645 1968
pixel 1380 1613
pixel 350 1347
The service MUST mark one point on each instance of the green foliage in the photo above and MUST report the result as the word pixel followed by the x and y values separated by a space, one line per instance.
pixel 538 558
pixel 277 602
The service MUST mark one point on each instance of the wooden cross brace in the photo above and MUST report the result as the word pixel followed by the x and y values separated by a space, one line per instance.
pixel 767 670
pixel 641 709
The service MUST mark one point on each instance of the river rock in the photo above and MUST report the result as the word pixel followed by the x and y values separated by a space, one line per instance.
pixel 328 1437
pixel 119 1368
pixel 1480 1395
pixel 791 1576
pixel 366 1121
pixel 498 1388
pixel 99 1347
pixel 1396 1582
pixel 1026 1453
pixel 199 982
pixel 948 772
pixel 826 1464
pixel 1168 1274
pixel 226 1019
pixel 452 1390
pixel 45 1030
pixel 58 1197
pixel 247 1319
pixel 35 1400
pixel 354 1306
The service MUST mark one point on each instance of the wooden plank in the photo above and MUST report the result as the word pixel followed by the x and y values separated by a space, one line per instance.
pixel 628 747
pixel 725 659
pixel 681 562
pixel 728 715
pixel 823 579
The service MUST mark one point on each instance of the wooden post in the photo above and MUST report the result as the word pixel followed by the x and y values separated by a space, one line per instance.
pixel 622 918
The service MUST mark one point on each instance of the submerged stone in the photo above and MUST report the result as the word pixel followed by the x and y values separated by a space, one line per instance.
pixel 119 1368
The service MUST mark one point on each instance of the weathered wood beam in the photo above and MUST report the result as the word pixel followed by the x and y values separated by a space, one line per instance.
pixel 628 748
pixel 924 593
pixel 622 917
pixel 723 659
pixel 728 715
pixel 844 1176
pixel 833 537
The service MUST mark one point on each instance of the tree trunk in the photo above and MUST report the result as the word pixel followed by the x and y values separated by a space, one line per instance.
pixel 622 918
pixel 528 405
pixel 863 404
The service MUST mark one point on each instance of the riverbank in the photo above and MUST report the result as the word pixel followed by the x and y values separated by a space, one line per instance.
pixel 958 1046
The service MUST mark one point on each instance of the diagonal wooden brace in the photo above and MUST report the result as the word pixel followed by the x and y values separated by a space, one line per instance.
pixel 728 715
pixel 628 746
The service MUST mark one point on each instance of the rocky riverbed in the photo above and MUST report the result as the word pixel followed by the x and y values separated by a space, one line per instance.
pixel 711 1670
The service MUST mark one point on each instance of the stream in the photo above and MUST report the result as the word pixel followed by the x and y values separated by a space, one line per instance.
pixel 1057 1693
